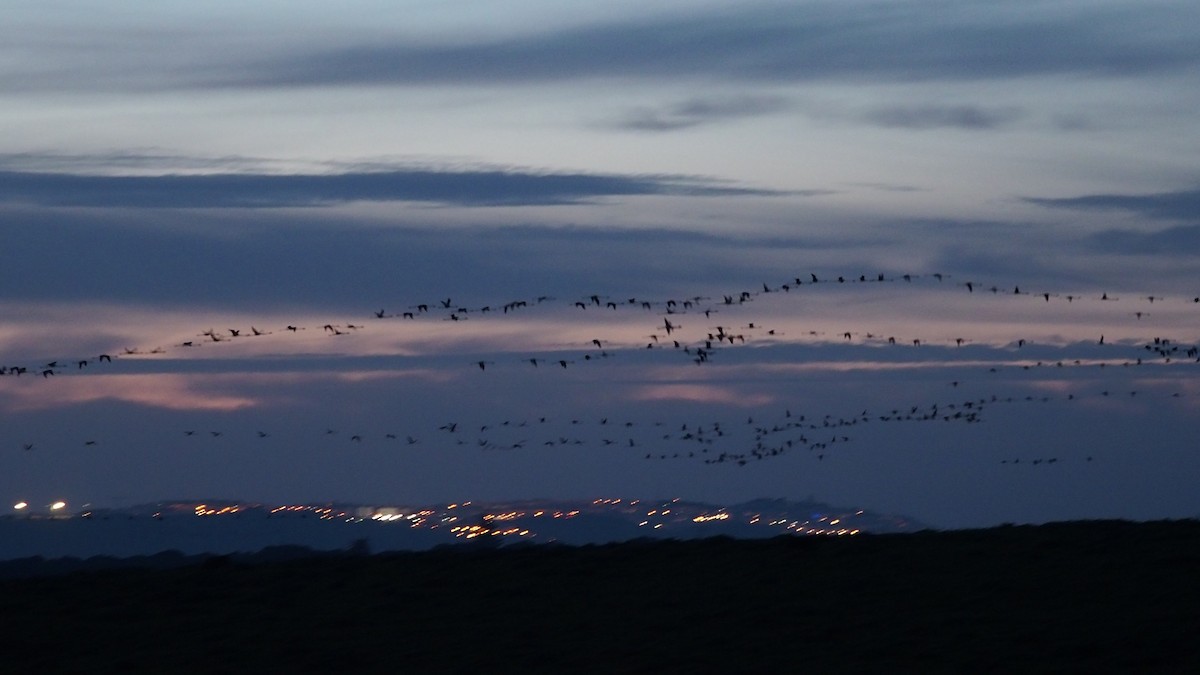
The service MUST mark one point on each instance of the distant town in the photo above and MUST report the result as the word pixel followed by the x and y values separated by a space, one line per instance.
pixel 218 525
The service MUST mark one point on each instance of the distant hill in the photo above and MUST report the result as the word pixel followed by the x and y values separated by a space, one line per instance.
pixel 1095 597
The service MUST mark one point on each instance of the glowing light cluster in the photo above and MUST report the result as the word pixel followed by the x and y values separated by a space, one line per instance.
pixel 389 517
pixel 473 531
pixel 204 510
pixel 471 523
pixel 511 515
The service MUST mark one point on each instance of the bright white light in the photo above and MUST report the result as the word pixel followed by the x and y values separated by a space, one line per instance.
pixel 58 506
pixel 20 505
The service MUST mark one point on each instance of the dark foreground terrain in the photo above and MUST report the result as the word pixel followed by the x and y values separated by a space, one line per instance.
pixel 1073 597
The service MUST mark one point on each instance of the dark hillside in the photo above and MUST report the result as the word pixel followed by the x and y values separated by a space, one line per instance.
pixel 1079 597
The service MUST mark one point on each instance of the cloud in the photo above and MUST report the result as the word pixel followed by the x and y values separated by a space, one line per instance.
pixel 245 190
pixel 1178 205
pixel 130 162
pixel 171 392
pixel 697 393
pixel 1073 122
pixel 919 41
pixel 700 111
pixel 923 40
pixel 966 117
pixel 1183 240
pixel 888 187
pixel 251 259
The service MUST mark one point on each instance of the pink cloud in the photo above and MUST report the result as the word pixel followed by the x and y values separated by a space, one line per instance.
pixel 172 392
pixel 700 393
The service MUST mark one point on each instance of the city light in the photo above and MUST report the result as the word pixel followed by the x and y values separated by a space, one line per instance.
pixel 500 521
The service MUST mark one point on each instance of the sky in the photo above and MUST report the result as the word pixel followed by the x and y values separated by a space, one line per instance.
pixel 930 258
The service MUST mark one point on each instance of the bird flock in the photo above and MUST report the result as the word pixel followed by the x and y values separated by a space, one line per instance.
pixel 674 323
pixel 754 437
pixel 694 329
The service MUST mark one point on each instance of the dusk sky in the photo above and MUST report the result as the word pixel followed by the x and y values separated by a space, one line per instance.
pixel 1008 191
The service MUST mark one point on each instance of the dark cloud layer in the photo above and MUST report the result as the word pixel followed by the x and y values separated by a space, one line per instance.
pixel 699 111
pixel 1179 205
pixel 966 117
pixel 249 259
pixel 461 188
pixel 254 261
pixel 877 42
pixel 1175 241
